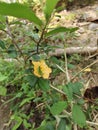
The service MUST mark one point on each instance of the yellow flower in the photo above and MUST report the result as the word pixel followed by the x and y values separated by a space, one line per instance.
pixel 41 69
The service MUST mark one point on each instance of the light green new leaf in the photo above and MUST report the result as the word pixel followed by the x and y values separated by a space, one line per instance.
pixel 50 5
pixel 58 107
pixel 18 121
pixel 2 77
pixel 3 91
pixel 78 116
pixel 25 100
pixel 60 30
pixel 26 124
pixel 19 11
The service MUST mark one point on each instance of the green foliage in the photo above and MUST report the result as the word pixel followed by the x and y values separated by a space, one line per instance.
pixel 18 120
pixel 2 44
pixel 43 84
pixel 60 30
pixel 76 87
pixel 49 8
pixel 78 116
pixel 12 51
pixel 2 22
pixel 62 125
pixel 35 104
pixel 2 77
pixel 58 107
pixel 19 11
pixel 50 125
pixel 3 91
pixel 31 79
pixel 71 89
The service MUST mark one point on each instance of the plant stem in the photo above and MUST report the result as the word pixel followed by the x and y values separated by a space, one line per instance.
pixel 58 90
pixel 66 66
pixel 14 43
pixel 12 36
pixel 75 127
pixel 41 37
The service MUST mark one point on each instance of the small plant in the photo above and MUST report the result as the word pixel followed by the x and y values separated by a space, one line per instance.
pixel 35 102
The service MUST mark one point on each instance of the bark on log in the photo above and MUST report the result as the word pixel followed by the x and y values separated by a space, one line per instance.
pixel 71 50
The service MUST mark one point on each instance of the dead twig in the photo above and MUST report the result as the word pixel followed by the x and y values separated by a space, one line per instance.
pixel 84 69
pixel 58 90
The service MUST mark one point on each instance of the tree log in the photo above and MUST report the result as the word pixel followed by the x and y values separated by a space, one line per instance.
pixel 77 50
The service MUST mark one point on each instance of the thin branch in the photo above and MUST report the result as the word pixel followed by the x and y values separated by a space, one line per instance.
pixel 66 66
pixel 41 38
pixel 69 114
pixel 12 37
pixel 95 117
pixel 40 105
pixel 58 90
pixel 33 39
pixel 83 69
pixel 92 123
pixel 75 127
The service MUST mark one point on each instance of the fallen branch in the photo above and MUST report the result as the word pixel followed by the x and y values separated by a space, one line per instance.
pixel 71 50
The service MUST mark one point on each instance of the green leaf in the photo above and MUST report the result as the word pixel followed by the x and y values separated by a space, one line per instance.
pixel 78 116
pixel 2 19
pixel 68 91
pixel 25 100
pixel 76 87
pixel 18 121
pixel 3 91
pixel 26 124
pixel 19 11
pixel 2 22
pixel 60 30
pixel 62 125
pixel 58 107
pixel 50 5
pixel 19 94
pixel 43 84
pixel 2 77
pixel 50 126
pixel 47 125
pixel 41 128
pixel 31 79
pixel 12 51
pixel 2 26
pixel 71 66
pixel 2 44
